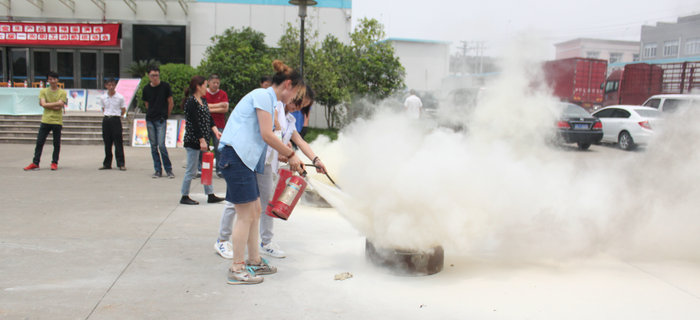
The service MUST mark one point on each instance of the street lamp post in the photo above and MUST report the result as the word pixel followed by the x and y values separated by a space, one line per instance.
pixel 302 14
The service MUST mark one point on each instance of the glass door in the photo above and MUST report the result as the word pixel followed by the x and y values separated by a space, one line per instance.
pixel 19 64
pixel 110 65
pixel 88 70
pixel 41 65
pixel 64 60
pixel 3 69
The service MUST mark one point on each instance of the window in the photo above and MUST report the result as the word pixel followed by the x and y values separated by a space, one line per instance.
pixel 670 48
pixel 167 44
pixel 635 57
pixel 692 46
pixel 619 113
pixel 607 113
pixel 592 54
pixel 615 57
pixel 649 50
pixel 653 103
pixel 611 86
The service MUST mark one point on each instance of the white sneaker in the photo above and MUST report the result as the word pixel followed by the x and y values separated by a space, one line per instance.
pixel 272 250
pixel 224 249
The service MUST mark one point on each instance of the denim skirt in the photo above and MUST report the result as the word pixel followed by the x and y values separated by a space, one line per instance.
pixel 241 182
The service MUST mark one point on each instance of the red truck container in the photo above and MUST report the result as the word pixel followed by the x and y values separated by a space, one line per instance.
pixel 577 80
pixel 638 81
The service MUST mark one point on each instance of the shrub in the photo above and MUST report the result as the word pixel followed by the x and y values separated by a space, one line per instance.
pixel 175 74
pixel 313 133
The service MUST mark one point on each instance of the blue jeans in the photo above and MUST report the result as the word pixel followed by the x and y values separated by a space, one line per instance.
pixel 191 173
pixel 156 136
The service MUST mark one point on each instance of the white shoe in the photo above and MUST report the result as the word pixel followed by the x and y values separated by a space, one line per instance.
pixel 272 250
pixel 224 249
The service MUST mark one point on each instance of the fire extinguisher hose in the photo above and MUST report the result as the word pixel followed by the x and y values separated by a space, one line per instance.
pixel 326 173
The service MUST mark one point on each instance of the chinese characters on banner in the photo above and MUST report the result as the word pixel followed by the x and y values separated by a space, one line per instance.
pixel 59 34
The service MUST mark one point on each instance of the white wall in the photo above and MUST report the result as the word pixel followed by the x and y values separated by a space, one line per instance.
pixel 271 20
pixel 426 63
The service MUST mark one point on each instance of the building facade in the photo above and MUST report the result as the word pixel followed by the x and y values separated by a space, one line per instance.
pixel 612 50
pixel 170 31
pixel 679 40
pixel 426 62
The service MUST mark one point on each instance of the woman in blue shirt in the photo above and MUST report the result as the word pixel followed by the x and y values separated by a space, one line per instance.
pixel 247 134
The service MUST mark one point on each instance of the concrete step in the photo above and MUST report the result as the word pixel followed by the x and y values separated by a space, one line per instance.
pixel 64 134
pixel 64 140
pixel 83 129
pixel 35 128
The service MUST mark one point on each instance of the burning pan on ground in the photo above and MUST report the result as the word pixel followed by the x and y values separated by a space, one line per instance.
pixel 406 262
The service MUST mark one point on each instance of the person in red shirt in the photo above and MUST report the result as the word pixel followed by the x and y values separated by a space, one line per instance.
pixel 218 107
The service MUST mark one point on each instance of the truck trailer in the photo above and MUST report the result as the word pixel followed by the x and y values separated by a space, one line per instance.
pixel 577 80
pixel 638 81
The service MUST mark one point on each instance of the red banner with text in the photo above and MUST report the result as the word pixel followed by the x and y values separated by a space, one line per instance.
pixel 59 34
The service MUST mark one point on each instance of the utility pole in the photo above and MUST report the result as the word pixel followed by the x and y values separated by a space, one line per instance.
pixel 477 58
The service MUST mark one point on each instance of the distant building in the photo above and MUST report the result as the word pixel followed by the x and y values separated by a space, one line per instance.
pixel 677 40
pixel 87 41
pixel 611 50
pixel 426 62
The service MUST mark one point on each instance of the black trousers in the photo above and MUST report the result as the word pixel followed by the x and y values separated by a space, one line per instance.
pixel 44 130
pixel 112 135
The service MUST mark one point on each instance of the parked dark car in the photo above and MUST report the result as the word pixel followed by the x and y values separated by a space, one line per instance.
pixel 578 126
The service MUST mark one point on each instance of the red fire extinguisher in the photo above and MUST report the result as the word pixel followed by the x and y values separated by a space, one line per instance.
pixel 207 167
pixel 287 193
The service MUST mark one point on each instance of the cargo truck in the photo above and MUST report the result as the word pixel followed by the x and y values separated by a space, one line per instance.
pixel 577 80
pixel 638 81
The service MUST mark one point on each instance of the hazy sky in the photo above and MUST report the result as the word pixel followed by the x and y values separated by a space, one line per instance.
pixel 496 22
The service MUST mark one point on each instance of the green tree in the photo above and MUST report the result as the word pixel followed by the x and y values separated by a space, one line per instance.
pixel 240 58
pixel 375 72
pixel 175 74
pixel 339 73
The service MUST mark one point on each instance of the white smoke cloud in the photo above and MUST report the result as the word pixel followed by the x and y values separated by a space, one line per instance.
pixel 498 189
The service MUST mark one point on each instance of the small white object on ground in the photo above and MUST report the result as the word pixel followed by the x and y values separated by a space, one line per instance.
pixel 343 276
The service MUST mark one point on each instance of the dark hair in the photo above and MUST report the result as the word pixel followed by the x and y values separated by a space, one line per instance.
pixel 52 74
pixel 112 80
pixel 284 72
pixel 213 76
pixel 265 79
pixel 153 68
pixel 305 93
pixel 194 83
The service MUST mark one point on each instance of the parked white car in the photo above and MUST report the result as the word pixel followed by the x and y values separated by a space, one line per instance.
pixel 671 102
pixel 628 126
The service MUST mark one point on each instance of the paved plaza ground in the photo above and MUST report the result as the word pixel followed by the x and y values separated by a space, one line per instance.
pixel 79 243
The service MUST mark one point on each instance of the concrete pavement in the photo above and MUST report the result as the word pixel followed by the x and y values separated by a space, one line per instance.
pixel 79 243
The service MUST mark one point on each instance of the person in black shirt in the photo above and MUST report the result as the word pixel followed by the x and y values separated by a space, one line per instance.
pixel 198 128
pixel 159 104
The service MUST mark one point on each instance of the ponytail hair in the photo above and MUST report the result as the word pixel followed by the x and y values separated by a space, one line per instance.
pixel 283 72
pixel 195 82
